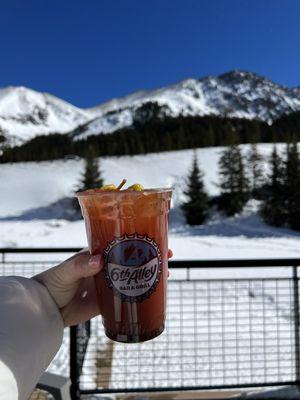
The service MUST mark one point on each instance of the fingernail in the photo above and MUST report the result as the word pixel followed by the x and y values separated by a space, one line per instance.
pixel 95 261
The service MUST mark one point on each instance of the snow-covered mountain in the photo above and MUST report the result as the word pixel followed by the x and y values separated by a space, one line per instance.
pixel 234 94
pixel 25 113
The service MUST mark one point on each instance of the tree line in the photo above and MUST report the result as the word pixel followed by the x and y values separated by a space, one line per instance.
pixel 153 131
pixel 241 178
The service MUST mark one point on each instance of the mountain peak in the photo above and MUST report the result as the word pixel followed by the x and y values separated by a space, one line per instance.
pixel 239 73
pixel 240 76
pixel 237 93
pixel 25 113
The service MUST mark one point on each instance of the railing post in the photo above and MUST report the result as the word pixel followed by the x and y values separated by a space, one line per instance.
pixel 296 324
pixel 74 367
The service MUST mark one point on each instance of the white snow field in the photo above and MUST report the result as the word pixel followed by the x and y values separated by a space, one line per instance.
pixel 31 213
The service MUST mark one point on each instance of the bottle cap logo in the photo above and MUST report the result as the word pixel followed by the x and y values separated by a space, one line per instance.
pixel 132 266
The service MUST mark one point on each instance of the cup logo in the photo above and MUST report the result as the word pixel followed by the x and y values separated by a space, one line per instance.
pixel 132 266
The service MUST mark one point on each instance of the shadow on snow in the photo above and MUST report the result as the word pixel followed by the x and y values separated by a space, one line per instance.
pixel 61 209
pixel 249 225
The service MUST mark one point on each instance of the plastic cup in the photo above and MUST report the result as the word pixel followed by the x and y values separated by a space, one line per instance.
pixel 130 229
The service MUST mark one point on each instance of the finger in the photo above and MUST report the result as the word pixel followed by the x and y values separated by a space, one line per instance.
pixel 96 261
pixel 168 273
pixel 170 253
pixel 82 265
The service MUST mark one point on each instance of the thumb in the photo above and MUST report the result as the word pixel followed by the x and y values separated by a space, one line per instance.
pixel 81 265
pixel 63 280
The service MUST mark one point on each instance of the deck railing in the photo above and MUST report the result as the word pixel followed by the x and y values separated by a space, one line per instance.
pixel 230 324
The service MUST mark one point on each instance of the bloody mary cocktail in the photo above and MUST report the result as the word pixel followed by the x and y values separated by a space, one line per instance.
pixel 130 229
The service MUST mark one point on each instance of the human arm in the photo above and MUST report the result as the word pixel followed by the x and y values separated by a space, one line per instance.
pixel 32 319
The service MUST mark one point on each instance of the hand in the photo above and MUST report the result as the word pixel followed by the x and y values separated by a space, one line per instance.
pixel 72 286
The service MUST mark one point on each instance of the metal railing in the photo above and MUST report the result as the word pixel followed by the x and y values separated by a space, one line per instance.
pixel 230 324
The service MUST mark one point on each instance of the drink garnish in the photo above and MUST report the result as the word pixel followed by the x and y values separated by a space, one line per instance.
pixel 109 187
pixel 137 187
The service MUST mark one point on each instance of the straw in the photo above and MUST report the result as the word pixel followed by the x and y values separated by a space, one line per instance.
pixel 132 307
pixel 117 300
pixel 122 184
pixel 118 308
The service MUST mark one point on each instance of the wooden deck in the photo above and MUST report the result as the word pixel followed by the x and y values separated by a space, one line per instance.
pixel 209 395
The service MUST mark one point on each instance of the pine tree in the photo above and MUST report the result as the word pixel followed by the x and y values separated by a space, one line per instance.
pixel 196 207
pixel 91 177
pixel 234 183
pixel 292 181
pixel 274 204
pixel 255 170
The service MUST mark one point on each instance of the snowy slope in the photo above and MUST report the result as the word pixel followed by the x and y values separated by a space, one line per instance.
pixel 25 113
pixel 234 94
pixel 29 218
pixel 47 182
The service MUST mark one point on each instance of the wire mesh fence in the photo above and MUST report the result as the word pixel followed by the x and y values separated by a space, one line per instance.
pixel 218 333
pixel 227 326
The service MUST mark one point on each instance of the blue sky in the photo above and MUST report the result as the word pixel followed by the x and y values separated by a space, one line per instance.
pixel 88 51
